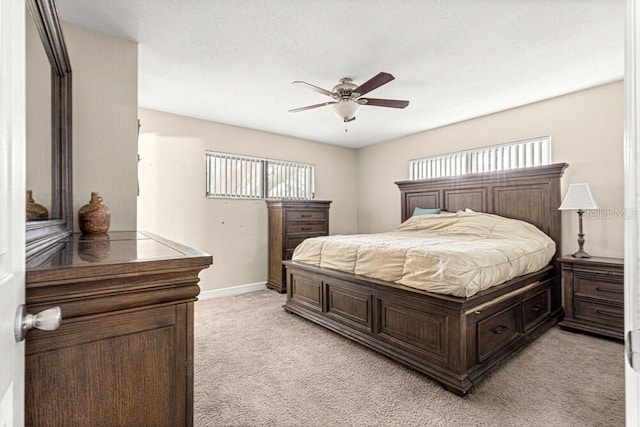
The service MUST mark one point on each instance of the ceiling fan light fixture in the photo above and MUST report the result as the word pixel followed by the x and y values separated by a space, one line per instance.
pixel 346 109
pixel 347 96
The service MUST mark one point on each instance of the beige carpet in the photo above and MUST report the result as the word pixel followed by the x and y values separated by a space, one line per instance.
pixel 256 365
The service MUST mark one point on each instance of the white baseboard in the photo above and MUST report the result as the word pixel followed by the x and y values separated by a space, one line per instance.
pixel 233 290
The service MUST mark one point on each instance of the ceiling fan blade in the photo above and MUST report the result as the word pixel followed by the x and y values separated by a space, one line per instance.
pixel 373 83
pixel 393 103
pixel 315 88
pixel 309 107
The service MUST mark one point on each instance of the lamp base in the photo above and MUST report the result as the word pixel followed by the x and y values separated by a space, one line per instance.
pixel 581 254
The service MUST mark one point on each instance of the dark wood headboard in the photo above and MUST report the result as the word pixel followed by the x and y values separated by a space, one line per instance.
pixel 528 194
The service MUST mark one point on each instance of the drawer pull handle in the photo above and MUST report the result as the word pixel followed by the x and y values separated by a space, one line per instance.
pixel 306 228
pixel 609 313
pixel 537 307
pixel 614 291
pixel 500 329
pixel 305 216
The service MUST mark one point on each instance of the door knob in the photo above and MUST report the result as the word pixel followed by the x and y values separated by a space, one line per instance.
pixel 46 320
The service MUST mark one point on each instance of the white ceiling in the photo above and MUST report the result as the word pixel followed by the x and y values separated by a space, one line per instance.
pixel 233 61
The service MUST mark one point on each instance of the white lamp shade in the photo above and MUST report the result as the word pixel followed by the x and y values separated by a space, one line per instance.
pixel 345 109
pixel 578 197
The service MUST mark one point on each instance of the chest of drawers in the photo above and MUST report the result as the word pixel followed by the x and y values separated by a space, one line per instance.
pixel 593 295
pixel 290 222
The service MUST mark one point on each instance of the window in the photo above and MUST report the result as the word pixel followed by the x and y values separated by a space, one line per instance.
pixel 232 176
pixel 519 154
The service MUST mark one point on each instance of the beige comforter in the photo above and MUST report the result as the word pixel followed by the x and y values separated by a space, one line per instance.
pixel 455 253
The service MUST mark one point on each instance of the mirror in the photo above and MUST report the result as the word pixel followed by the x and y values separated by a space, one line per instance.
pixel 38 124
pixel 45 234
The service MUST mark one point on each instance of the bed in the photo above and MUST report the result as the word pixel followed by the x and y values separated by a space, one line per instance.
pixel 455 340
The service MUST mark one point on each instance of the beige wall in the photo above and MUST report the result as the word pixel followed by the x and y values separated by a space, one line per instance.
pixel 172 199
pixel 105 103
pixel 586 130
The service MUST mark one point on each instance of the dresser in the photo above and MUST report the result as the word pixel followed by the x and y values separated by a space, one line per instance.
pixel 290 222
pixel 123 354
pixel 593 295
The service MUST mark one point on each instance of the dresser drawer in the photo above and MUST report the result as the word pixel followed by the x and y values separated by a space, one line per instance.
pixel 306 215
pixel 306 227
pixel 602 289
pixel 288 254
pixel 601 313
pixel 497 331
pixel 294 241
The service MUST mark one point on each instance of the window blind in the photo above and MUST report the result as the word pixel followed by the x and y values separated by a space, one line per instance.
pixel 519 154
pixel 234 176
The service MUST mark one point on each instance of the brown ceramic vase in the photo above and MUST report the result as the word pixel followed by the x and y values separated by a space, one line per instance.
pixel 94 217
pixel 35 211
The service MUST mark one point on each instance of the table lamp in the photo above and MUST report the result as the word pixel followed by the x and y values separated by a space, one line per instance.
pixel 579 198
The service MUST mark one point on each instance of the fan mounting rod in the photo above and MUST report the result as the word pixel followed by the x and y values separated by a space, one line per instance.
pixel 345 88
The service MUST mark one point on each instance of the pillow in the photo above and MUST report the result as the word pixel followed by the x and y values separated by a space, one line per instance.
pixel 423 211
pixel 466 210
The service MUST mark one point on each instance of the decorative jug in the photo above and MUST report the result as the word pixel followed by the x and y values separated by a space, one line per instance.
pixel 94 217
pixel 35 211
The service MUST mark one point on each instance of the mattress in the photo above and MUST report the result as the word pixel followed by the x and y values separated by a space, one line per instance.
pixel 457 254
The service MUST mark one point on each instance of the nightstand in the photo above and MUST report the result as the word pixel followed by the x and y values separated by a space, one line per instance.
pixel 593 295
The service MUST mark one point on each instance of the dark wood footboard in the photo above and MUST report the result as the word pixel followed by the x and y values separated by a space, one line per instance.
pixel 456 341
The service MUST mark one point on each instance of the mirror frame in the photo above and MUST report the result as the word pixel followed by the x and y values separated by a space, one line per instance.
pixel 43 235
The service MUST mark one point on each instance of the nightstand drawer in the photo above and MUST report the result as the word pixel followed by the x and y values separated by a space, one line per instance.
pixel 306 227
pixel 306 215
pixel 596 312
pixel 602 289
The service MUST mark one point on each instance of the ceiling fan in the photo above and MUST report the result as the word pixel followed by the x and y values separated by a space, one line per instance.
pixel 347 96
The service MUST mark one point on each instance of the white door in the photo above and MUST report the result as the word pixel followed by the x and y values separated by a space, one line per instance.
pixel 632 205
pixel 12 207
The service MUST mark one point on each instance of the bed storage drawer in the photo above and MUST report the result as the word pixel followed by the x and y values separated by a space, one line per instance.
pixel 536 308
pixel 497 330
